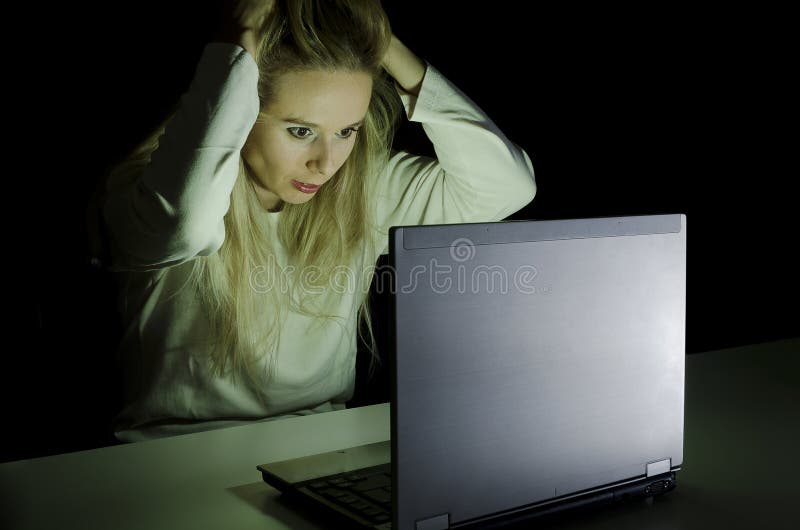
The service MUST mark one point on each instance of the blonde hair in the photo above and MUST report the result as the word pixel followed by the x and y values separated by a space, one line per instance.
pixel 324 233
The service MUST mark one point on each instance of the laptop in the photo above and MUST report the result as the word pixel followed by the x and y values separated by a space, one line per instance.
pixel 537 367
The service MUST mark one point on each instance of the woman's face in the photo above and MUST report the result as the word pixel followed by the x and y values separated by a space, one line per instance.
pixel 305 134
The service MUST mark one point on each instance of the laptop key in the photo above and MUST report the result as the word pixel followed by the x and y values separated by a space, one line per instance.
pixel 334 493
pixel 378 495
pixel 348 499
pixel 372 482
pixel 360 505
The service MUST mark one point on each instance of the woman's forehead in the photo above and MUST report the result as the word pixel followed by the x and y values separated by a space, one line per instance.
pixel 327 99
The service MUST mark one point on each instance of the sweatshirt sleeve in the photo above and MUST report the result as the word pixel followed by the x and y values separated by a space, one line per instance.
pixel 478 174
pixel 173 209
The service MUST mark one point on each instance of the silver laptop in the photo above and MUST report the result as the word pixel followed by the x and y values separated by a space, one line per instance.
pixel 537 367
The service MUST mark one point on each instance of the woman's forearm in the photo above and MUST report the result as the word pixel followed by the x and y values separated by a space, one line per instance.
pixel 405 67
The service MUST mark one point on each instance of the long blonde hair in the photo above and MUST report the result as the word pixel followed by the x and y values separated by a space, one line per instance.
pixel 323 233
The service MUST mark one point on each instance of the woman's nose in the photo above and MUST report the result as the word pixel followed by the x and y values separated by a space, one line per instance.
pixel 321 159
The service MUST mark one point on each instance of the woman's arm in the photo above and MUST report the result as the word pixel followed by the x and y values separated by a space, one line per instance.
pixel 478 175
pixel 172 209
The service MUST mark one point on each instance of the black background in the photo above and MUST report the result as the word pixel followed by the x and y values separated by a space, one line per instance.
pixel 655 110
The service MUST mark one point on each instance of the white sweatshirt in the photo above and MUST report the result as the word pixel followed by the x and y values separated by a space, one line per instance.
pixel 162 218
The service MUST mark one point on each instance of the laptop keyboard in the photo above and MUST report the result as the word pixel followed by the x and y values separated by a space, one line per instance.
pixel 366 492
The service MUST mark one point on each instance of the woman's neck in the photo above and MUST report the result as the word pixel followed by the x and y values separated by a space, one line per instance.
pixel 277 208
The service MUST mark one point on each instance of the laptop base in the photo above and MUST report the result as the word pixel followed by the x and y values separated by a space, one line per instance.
pixel 337 494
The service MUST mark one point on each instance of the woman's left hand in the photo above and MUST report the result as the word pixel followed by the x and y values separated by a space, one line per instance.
pixel 406 68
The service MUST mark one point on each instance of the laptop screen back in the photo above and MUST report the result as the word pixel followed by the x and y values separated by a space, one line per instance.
pixel 534 359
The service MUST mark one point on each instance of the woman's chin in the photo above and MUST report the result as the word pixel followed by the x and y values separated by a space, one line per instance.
pixel 298 197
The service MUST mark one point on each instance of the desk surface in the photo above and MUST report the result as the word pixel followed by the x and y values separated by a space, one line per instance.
pixel 740 463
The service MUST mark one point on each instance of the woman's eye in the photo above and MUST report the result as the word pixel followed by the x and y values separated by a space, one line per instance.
pixel 350 130
pixel 295 131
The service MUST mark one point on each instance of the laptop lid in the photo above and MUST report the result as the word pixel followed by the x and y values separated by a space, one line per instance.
pixel 534 360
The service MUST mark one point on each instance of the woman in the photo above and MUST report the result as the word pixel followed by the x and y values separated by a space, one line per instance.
pixel 245 231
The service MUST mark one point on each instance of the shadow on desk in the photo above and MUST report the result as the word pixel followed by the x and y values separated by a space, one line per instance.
pixel 279 508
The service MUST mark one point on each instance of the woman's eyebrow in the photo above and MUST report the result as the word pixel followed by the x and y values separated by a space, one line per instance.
pixel 309 124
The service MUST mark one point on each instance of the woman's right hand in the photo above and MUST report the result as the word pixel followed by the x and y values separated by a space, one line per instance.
pixel 240 20
pixel 246 14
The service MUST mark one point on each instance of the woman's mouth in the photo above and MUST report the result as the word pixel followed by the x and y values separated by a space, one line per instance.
pixel 305 188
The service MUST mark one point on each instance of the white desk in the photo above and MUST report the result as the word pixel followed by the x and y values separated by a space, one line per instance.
pixel 194 481
pixel 741 463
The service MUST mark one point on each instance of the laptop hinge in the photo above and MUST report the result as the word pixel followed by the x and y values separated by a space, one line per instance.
pixel 439 522
pixel 659 467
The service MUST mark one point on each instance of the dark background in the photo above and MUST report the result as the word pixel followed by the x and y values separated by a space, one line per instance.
pixel 657 110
